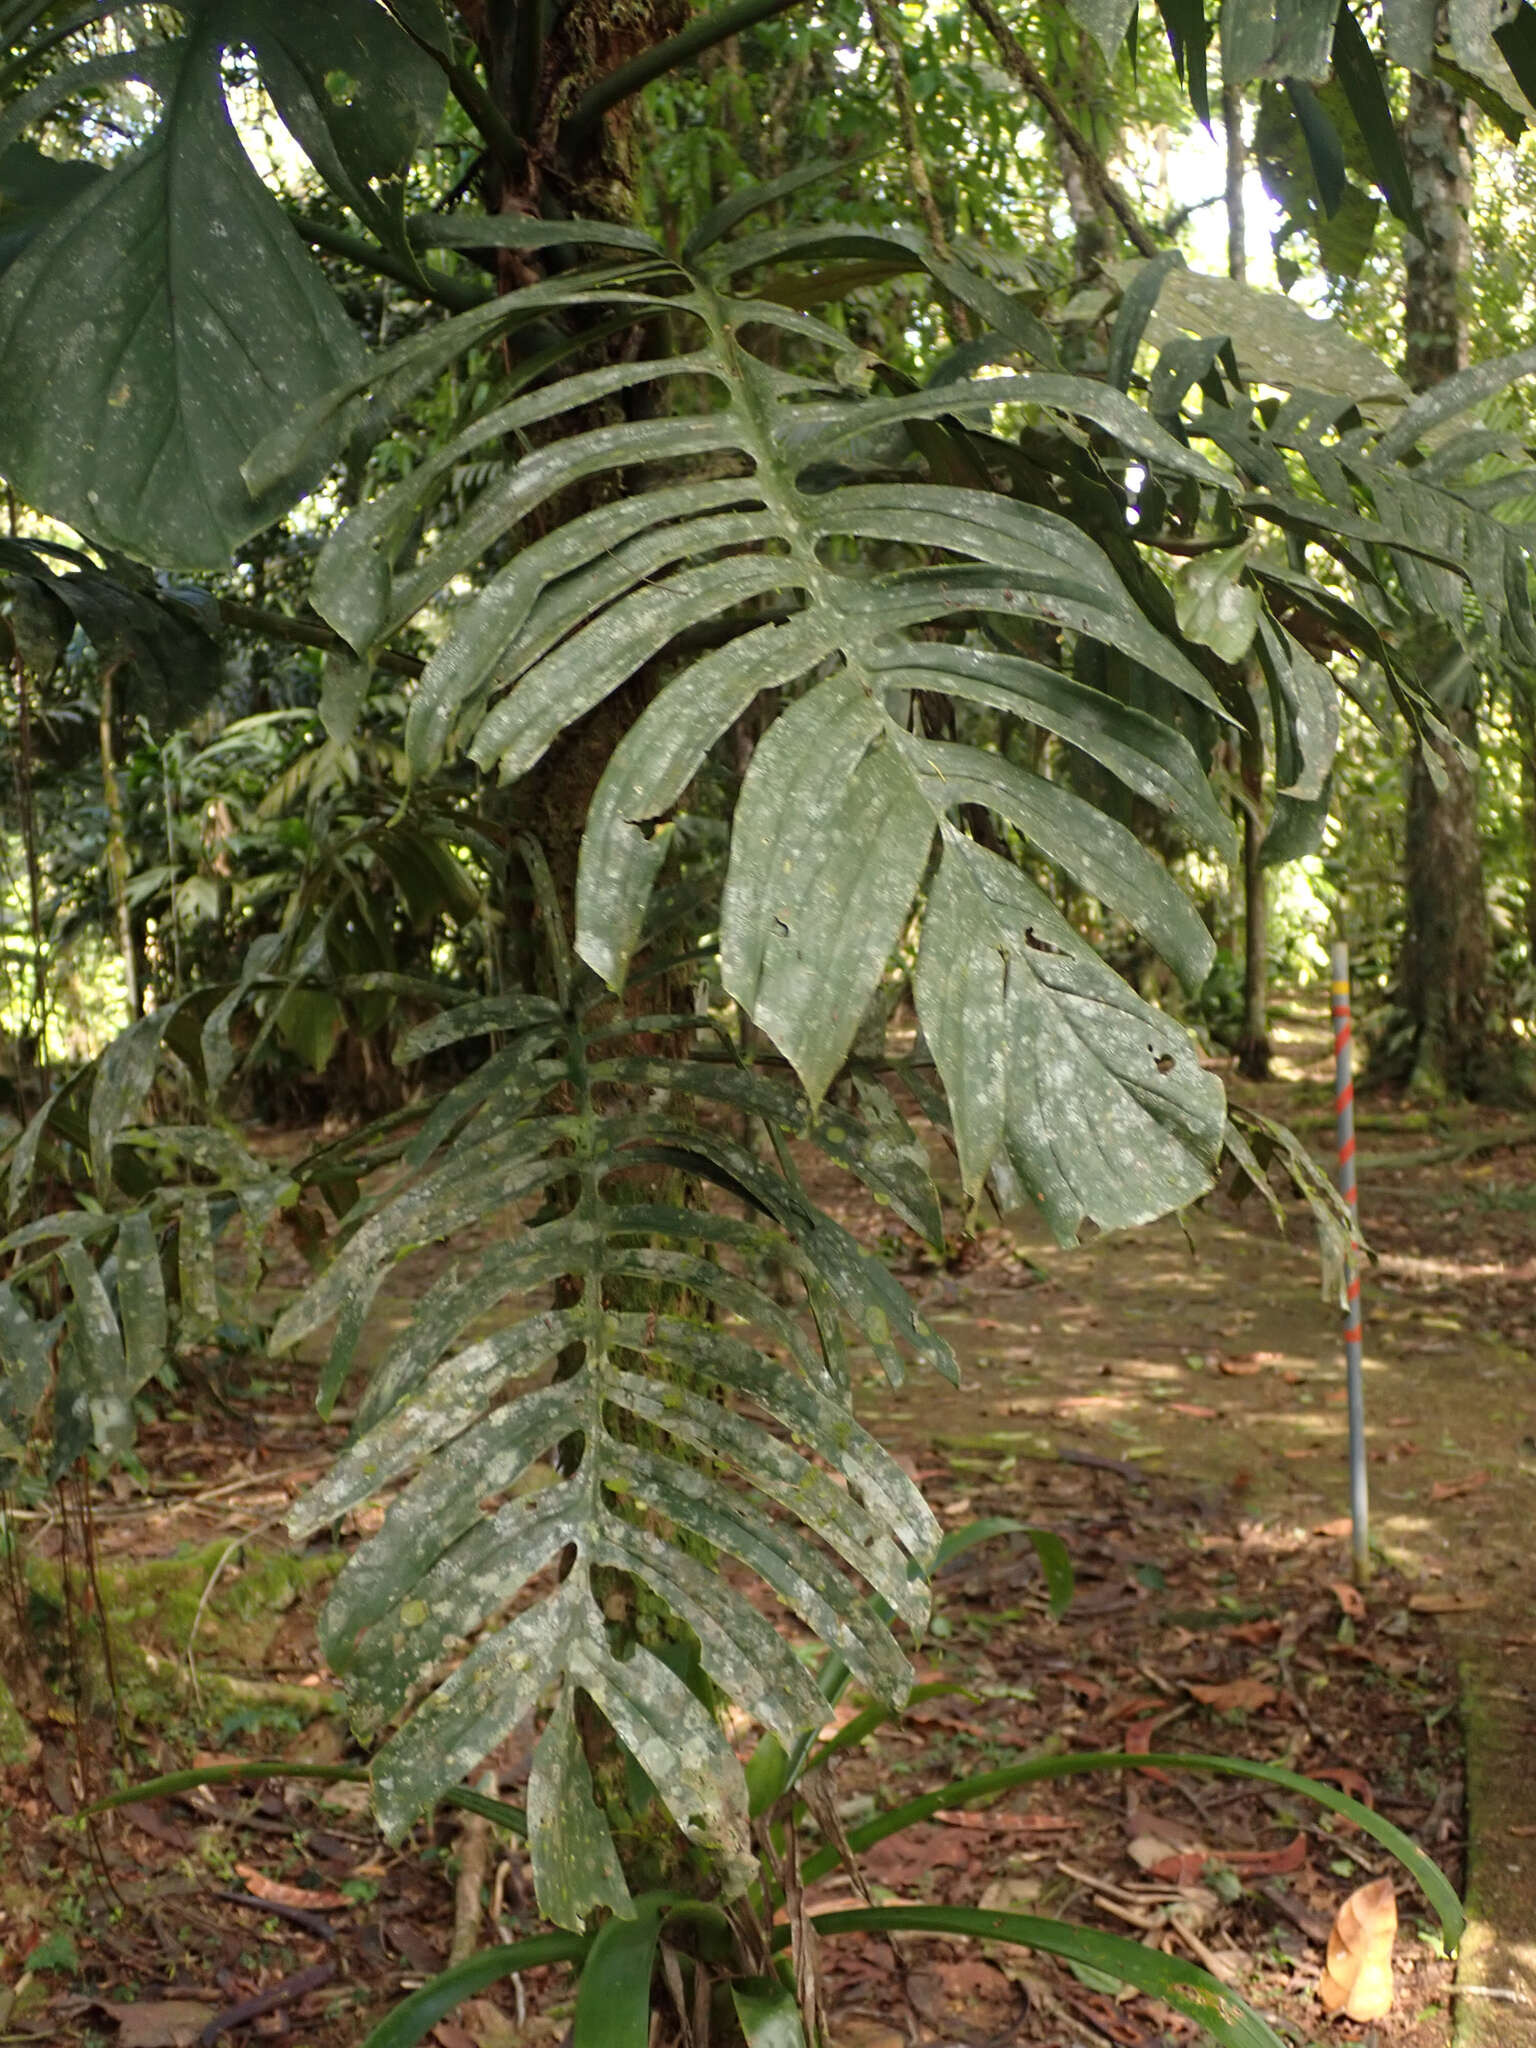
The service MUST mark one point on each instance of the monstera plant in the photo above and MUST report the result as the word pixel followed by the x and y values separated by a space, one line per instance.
pixel 684 530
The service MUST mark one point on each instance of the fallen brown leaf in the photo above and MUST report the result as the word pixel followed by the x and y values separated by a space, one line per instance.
pixel 1138 1740
pixel 1239 1368
pixel 1268 1862
pixel 277 1894
pixel 1348 1597
pixel 1253 1631
pixel 1341 1525
pixel 1353 1782
pixel 1357 1977
pixel 1453 1489
pixel 1238 1695
pixel 1181 1867
pixel 1000 1823
pixel 1446 1603
pixel 158 2022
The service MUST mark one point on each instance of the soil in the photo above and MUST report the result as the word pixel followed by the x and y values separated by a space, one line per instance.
pixel 1171 1404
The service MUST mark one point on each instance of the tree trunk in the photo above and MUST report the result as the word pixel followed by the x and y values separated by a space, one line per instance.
pixel 1445 959
pixel 1253 1043
pixel 1443 970
pixel 1524 701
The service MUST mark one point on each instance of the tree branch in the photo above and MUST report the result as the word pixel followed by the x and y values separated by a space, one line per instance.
pixel 917 167
pixel 300 633
pixel 1024 69
pixel 676 51
pixel 458 295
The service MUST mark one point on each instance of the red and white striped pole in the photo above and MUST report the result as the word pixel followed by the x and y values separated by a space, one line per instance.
pixel 1354 1332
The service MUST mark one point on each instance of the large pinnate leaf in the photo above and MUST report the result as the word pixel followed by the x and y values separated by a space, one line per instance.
pixel 651 1445
pixel 770 492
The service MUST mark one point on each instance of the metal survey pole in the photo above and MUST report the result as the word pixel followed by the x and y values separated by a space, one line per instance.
pixel 1354 1344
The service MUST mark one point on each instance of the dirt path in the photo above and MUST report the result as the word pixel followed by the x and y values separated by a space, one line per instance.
pixel 1212 1360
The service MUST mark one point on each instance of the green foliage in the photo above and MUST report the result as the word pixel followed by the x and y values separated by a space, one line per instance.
pixel 140 445
pixel 629 1439
pixel 811 642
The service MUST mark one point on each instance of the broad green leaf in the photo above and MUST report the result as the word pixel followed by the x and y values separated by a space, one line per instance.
pixel 1146 754
pixel 1304 703
pixel 613 2000
pixel 415 2017
pixel 963 1792
pixel 500 1491
pixel 590 665
pixel 1455 395
pixel 1325 150
pixel 1291 40
pixel 1277 341
pixel 1215 606
pixel 1106 21
pixel 141 1298
pixel 344 681
pixel 33 188
pixel 123 1076
pixel 575 1866
pixel 738 206
pixel 26 1370
pixel 767 2014
pixel 96 1343
pixel 199 1285
pixel 356 94
pixel 1098 1103
pixel 651 768
pixel 1141 286
pixel 1102 855
pixel 1296 827
pixel 830 840
pixel 524 231
pixel 1365 89
pixel 132 427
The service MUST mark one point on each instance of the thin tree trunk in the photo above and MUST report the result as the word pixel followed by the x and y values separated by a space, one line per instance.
pixel 1524 698
pixel 1237 165
pixel 1444 967
pixel 117 850
pixel 1253 1041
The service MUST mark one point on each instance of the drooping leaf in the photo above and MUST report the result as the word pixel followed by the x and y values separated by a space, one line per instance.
pixel 132 426
pixel 141 1298
pixel 655 1451
pixel 1215 606
pixel 1048 1058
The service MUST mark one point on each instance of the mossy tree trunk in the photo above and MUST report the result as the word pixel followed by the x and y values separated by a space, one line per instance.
pixel 1444 966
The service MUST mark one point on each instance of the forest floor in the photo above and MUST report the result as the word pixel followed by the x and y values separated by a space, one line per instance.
pixel 1172 1406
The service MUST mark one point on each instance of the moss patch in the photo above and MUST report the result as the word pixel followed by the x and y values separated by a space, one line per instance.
pixel 156 1608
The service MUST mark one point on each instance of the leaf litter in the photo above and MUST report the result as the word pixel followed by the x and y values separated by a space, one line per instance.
pixel 1210 1614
